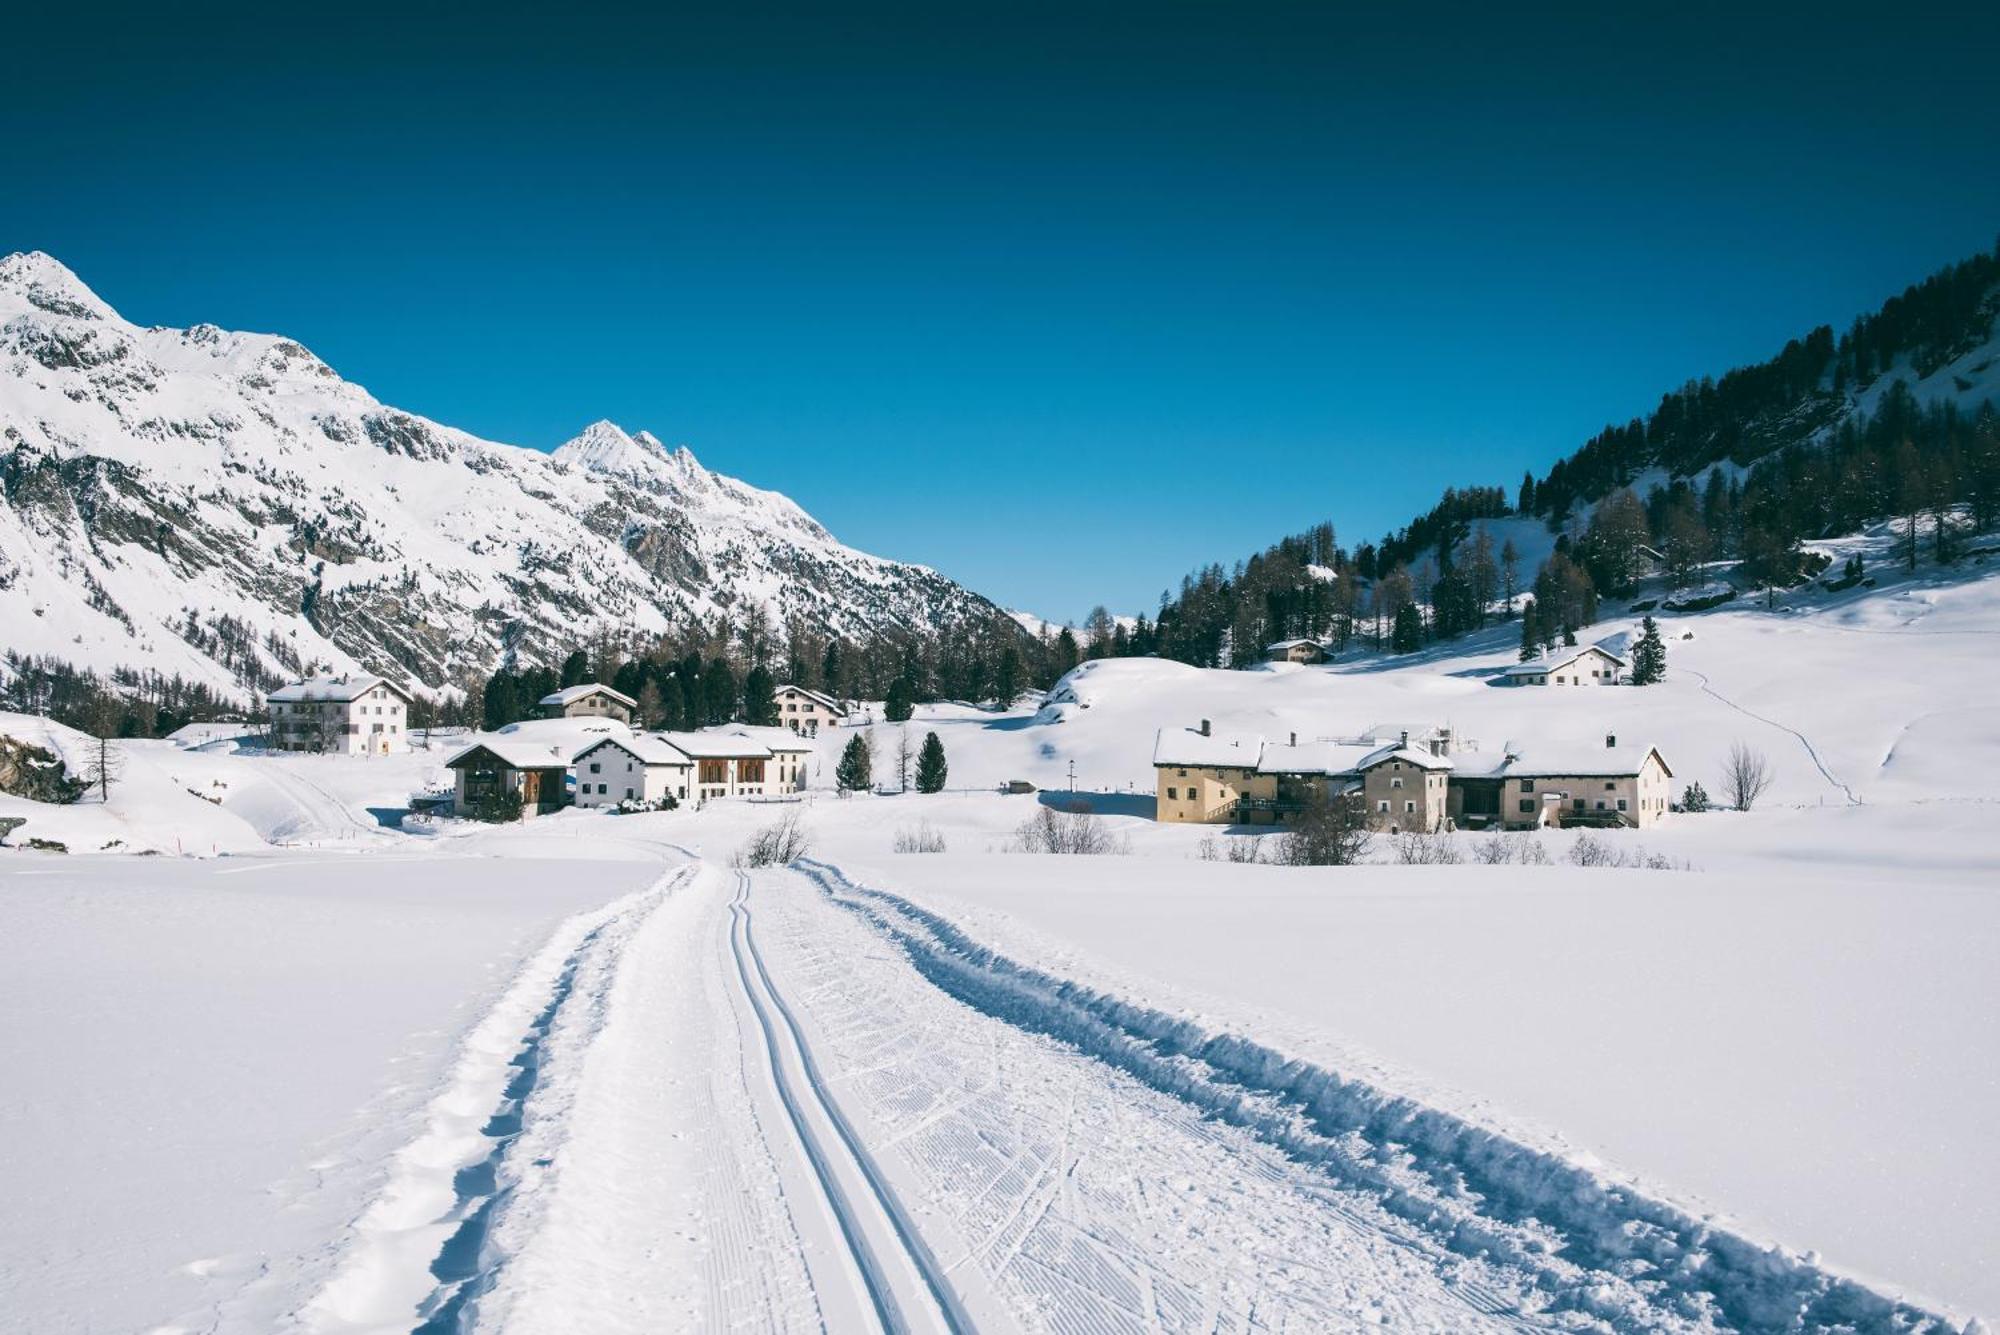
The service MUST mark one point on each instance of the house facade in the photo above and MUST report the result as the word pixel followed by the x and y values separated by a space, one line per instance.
pixel 805 711
pixel 589 700
pixel 1408 785
pixel 357 715
pixel 1295 651
pixel 639 768
pixel 498 766
pixel 1592 665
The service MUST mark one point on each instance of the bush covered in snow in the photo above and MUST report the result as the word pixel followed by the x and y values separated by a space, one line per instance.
pixel 776 844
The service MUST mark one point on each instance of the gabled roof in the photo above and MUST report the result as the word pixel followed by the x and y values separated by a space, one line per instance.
pixel 514 753
pixel 1582 762
pixel 1409 755
pixel 1290 644
pixel 543 743
pixel 1556 662
pixel 1312 758
pixel 1186 746
pixel 340 689
pixel 645 748
pixel 773 739
pixel 820 697
pixel 717 745
pixel 572 693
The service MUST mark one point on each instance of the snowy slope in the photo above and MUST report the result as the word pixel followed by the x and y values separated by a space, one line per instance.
pixel 224 507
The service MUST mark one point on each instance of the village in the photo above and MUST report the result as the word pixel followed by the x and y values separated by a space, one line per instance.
pixel 587 751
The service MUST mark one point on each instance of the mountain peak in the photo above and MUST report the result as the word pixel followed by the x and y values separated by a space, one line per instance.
pixel 50 285
pixel 606 447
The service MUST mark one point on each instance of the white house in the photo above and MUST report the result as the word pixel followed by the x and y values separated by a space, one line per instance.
pixel 589 700
pixel 532 760
pixel 354 715
pixel 1592 665
pixel 805 711
pixel 789 750
pixel 727 764
pixel 1295 651
pixel 639 768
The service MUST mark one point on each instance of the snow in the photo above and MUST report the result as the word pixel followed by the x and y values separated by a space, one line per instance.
pixel 468 1076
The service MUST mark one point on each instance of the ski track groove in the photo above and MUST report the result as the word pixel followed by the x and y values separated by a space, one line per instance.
pixel 1811 752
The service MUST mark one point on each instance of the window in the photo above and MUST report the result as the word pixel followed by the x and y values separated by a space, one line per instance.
pixel 1621 804
pixel 1409 807
pixel 628 793
pixel 1395 783
pixel 1609 786
pixel 1383 806
pixel 1527 785
pixel 593 767
pixel 1527 807
pixel 1173 795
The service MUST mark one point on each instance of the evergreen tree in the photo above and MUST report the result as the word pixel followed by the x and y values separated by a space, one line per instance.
pixel 854 773
pixel 1007 675
pixel 1408 636
pixel 497 703
pixel 760 696
pixel 1531 632
pixel 1065 655
pixel 902 700
pixel 651 707
pixel 575 669
pixel 718 692
pixel 931 768
pixel 1649 655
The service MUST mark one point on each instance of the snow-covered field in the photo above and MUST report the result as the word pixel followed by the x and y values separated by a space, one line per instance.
pixel 582 1075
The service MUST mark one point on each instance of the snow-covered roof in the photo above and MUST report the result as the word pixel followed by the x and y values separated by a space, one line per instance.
pixel 773 739
pixel 1312 758
pixel 717 745
pixel 340 689
pixel 1188 746
pixel 1289 644
pixel 569 694
pixel 1409 755
pixel 543 743
pixel 819 697
pixel 1555 662
pixel 1557 760
pixel 646 748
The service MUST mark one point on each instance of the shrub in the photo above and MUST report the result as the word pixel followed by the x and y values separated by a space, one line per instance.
pixel 497 807
pixel 1329 832
pixel 1694 798
pixel 923 839
pixel 1427 850
pixel 776 844
pixel 1745 776
pixel 1074 830
pixel 1493 850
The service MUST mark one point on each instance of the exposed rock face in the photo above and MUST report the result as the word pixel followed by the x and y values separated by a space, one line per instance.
pixel 223 507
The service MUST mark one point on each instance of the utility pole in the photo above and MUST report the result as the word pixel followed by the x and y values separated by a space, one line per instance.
pixel 1072 778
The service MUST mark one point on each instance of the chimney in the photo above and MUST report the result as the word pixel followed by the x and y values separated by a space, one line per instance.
pixel 1204 727
pixel 1406 738
pixel 1295 739
pixel 1611 740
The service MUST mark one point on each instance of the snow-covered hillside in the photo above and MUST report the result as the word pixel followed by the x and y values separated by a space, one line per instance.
pixel 223 506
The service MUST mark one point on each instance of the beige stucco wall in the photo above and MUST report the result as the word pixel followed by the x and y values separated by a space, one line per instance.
pixel 1205 795
pixel 1416 798
pixel 1646 795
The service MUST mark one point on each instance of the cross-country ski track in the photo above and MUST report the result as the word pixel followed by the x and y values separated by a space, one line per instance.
pixel 776 1100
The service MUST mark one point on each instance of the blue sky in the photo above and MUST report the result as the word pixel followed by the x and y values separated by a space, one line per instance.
pixel 1062 300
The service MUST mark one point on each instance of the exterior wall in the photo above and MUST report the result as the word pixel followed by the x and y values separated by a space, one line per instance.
pixel 1400 795
pixel 1191 793
pixel 1638 799
pixel 1295 653
pixel 375 724
pixel 786 772
pixel 596 705
pixel 803 714
pixel 608 775
pixel 1592 667
pixel 740 776
pixel 548 788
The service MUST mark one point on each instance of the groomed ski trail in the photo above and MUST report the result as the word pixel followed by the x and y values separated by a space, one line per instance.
pixel 907 1290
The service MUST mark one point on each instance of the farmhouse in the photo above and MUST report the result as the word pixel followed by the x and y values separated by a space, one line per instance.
pixel 1593 665
pixel 530 760
pixel 638 768
pixel 1406 784
pixel 355 715
pixel 589 700
pixel 789 753
pixel 727 764
pixel 804 711
pixel 1295 651
pixel 1520 788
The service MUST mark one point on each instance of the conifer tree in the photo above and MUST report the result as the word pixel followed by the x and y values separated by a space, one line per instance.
pixel 902 701
pixel 931 767
pixel 1649 655
pixel 855 771
pixel 760 696
pixel 1408 636
pixel 1531 632
pixel 575 669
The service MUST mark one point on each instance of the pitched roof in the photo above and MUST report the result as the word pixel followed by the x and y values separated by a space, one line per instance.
pixel 1312 757
pixel 774 739
pixel 646 748
pixel 1553 662
pixel 1409 755
pixel 579 691
pixel 1290 644
pixel 811 694
pixel 340 689
pixel 543 743
pixel 1582 762
pixel 717 745
pixel 1186 746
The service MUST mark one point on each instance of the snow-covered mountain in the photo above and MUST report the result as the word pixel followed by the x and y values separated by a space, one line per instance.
pixel 224 507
